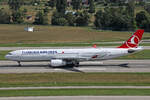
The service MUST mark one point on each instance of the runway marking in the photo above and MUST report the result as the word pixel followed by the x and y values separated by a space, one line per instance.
pixel 92 68
pixel 57 69
pixel 78 87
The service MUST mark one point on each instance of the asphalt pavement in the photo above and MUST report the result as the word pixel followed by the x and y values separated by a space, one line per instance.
pixel 93 66
pixel 78 98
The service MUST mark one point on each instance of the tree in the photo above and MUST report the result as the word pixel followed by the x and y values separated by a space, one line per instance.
pixel 103 19
pixel 61 6
pixel 17 14
pixel 46 10
pixel 59 19
pixel 141 2
pixel 41 18
pixel 17 17
pixel 147 8
pixel 4 17
pixel 51 3
pixel 70 17
pixel 91 7
pixel 98 17
pixel 107 1
pixel 143 20
pixel 131 8
pixel 116 2
pixel 15 4
pixel 114 19
pixel 83 19
pixel 76 4
pixel 35 2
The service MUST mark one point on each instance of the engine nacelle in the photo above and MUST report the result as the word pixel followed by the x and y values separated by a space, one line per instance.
pixel 58 62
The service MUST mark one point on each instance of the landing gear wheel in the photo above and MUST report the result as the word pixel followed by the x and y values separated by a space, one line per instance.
pixel 19 64
pixel 76 64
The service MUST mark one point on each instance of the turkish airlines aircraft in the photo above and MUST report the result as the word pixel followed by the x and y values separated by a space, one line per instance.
pixel 63 57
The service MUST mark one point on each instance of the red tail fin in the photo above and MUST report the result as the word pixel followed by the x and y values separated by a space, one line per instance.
pixel 134 40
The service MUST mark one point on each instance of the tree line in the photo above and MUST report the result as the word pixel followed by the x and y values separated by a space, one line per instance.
pixel 120 18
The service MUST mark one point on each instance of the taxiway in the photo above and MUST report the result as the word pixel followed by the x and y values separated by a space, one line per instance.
pixel 96 66
pixel 78 98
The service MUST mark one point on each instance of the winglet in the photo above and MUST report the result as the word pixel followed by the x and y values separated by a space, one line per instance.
pixel 134 40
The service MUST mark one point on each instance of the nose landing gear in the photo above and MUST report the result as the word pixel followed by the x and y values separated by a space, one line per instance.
pixel 19 64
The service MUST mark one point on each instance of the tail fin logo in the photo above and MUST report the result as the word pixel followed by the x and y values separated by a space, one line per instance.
pixel 133 42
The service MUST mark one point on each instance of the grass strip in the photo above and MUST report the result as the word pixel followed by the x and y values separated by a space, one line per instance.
pixel 62 44
pixel 2 54
pixel 75 92
pixel 74 79
pixel 54 45
pixel 145 54
pixel 11 33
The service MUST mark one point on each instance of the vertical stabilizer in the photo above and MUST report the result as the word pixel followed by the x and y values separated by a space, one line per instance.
pixel 134 40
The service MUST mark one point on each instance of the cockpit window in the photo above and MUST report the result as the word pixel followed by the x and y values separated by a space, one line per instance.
pixel 9 53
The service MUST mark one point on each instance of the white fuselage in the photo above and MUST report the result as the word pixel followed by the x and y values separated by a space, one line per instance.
pixel 86 54
pixel 62 57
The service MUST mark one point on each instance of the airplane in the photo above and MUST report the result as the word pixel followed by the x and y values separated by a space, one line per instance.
pixel 65 57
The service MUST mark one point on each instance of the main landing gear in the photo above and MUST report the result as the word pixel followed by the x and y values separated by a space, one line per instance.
pixel 76 64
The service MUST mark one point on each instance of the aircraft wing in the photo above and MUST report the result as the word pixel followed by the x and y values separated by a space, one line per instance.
pixel 71 56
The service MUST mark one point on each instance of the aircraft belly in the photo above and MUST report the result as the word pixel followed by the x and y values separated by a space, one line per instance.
pixel 16 58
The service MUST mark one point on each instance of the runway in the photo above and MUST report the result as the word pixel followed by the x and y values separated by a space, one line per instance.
pixel 96 66
pixel 78 98
pixel 21 48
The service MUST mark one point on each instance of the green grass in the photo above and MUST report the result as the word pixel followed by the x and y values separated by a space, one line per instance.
pixel 2 54
pixel 53 45
pixel 145 44
pixel 74 79
pixel 75 92
pixel 145 54
pixel 62 44
pixel 57 34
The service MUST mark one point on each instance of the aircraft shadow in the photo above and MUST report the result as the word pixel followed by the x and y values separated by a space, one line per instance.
pixel 68 68
pixel 126 65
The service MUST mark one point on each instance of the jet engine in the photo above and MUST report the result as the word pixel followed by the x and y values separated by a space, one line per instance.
pixel 58 62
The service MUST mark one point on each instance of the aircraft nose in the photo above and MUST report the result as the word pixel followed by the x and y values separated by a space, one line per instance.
pixel 7 56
